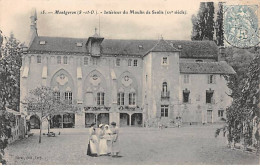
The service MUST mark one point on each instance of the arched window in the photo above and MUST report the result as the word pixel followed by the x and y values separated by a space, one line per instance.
pixel 164 87
pixel 65 60
pixel 129 62
pixel 39 59
pixel 59 60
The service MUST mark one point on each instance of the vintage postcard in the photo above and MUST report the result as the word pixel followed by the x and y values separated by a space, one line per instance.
pixel 129 82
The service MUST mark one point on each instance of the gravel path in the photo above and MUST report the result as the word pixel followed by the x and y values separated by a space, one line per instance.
pixel 185 145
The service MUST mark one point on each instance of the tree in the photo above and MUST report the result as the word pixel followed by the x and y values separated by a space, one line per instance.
pixel 219 25
pixel 42 102
pixel 203 23
pixel 10 63
pixel 245 93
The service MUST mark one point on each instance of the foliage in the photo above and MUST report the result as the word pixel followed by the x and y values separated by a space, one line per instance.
pixel 245 93
pixel 42 102
pixel 219 25
pixel 203 23
pixel 10 63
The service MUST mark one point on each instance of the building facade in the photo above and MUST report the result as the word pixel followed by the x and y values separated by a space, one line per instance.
pixel 131 82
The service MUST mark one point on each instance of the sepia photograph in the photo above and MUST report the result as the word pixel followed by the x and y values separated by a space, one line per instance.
pixel 129 82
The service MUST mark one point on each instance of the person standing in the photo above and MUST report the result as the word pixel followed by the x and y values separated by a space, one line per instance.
pixel 108 137
pixel 102 141
pixel 92 142
pixel 115 140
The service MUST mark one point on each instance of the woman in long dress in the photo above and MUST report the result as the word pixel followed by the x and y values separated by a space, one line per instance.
pixel 108 137
pixel 102 141
pixel 115 140
pixel 93 142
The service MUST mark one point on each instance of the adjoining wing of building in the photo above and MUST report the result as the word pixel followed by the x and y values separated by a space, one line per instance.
pixel 131 82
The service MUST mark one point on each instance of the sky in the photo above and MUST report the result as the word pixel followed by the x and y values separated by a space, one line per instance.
pixel 15 17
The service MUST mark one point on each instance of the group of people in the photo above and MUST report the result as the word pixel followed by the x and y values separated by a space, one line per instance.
pixel 103 141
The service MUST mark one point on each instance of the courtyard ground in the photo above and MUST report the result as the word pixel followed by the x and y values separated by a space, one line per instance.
pixel 186 145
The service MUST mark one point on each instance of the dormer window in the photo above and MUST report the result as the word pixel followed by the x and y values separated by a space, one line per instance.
pixel 42 42
pixel 199 60
pixel 79 44
pixel 140 47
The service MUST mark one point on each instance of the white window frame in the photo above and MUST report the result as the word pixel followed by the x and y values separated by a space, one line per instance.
pixel 100 98
pixel 164 108
pixel 68 97
pixel 121 98
pixel 132 99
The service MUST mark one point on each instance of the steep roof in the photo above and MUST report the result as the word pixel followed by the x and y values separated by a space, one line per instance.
pixel 206 68
pixel 189 49
pixel 163 46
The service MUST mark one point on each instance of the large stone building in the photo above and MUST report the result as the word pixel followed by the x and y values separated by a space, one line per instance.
pixel 131 82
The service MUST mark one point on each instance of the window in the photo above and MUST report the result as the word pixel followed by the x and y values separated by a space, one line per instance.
pixel 220 113
pixel 68 97
pixel 209 96
pixel 65 60
pixel 129 62
pixel 79 44
pixel 117 62
pixel 42 42
pixel 94 61
pixel 56 96
pixel 135 62
pixel 120 98
pixel 164 87
pixel 211 79
pixel 58 60
pixel 186 94
pixel 39 59
pixel 164 60
pixel 131 98
pixel 85 60
pixel 186 79
pixel 164 110
pixel 100 98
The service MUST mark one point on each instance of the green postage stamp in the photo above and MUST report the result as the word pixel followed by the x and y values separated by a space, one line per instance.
pixel 241 25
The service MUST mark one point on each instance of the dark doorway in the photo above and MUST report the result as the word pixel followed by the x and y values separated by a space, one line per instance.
pixel 137 119
pixel 103 118
pixel 35 122
pixel 124 119
pixel 89 119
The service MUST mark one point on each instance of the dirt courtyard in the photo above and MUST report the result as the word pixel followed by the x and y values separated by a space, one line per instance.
pixel 186 145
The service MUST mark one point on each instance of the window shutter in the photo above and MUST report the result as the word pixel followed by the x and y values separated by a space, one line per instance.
pixel 208 79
